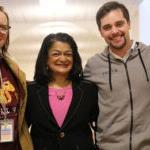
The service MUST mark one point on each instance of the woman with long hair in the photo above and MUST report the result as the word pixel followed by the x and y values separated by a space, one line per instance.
pixel 61 105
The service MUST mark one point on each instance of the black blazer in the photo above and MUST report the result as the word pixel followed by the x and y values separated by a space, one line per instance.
pixel 75 133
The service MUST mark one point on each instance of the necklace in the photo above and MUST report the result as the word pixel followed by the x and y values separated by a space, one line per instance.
pixel 60 94
pixel 60 97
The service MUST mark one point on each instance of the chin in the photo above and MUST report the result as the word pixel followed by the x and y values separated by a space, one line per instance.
pixel 118 46
pixel 63 72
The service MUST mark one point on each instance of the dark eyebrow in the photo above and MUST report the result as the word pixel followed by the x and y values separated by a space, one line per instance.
pixel 56 50
pixel 106 26
pixel 120 21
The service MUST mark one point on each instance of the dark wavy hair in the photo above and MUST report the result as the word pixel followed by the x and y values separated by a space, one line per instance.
pixel 107 8
pixel 5 47
pixel 42 74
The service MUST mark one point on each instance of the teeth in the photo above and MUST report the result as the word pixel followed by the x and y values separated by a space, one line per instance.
pixel 117 38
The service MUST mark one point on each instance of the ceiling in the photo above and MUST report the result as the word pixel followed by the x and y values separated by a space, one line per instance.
pixel 32 20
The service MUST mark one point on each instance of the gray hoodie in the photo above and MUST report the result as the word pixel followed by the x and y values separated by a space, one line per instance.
pixel 124 99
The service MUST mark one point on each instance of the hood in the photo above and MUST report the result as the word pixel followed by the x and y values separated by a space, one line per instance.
pixel 134 52
pixel 138 49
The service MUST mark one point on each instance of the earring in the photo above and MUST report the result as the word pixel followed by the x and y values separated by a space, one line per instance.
pixel 47 67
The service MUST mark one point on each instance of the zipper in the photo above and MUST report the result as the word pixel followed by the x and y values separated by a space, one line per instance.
pixel 131 105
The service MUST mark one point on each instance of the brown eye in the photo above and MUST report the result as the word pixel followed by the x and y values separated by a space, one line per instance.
pixel 120 23
pixel 69 54
pixel 54 54
pixel 107 27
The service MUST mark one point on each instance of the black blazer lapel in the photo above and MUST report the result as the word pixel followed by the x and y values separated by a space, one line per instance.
pixel 76 100
pixel 42 93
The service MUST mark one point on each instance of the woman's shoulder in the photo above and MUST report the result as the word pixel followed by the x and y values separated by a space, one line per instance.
pixel 89 88
pixel 88 84
pixel 31 84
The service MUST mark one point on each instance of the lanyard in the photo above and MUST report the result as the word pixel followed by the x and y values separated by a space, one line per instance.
pixel 1 79
pixel 2 98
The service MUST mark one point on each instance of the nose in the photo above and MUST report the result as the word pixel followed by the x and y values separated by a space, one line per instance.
pixel 62 57
pixel 114 30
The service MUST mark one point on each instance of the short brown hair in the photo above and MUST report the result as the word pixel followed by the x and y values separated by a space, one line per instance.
pixel 108 7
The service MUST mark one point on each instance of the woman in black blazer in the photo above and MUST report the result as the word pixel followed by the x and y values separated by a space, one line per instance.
pixel 61 105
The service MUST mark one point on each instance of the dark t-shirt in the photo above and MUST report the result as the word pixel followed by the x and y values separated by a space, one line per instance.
pixel 11 90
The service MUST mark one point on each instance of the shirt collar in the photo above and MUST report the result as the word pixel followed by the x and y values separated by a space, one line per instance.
pixel 127 54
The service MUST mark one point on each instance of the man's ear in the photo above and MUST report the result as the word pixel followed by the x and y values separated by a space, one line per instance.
pixel 100 32
pixel 129 23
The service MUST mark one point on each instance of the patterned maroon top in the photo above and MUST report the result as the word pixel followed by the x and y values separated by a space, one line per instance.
pixel 11 89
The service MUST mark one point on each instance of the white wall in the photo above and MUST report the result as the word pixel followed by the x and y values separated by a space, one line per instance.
pixel 144 21
pixel 31 22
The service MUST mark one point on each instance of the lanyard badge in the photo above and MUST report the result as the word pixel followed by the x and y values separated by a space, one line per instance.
pixel 6 130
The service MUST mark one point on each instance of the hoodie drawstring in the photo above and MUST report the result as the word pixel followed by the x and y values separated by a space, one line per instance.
pixel 109 63
pixel 144 67
pixel 139 52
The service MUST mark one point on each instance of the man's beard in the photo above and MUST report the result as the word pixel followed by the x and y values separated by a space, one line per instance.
pixel 118 47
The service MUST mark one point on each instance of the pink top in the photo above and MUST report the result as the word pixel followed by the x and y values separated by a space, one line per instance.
pixel 59 102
